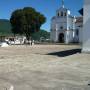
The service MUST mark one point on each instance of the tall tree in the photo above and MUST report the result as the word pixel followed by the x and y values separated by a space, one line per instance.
pixel 26 21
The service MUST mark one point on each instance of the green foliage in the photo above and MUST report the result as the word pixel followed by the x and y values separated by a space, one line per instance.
pixel 26 21
pixel 5 27
pixel 41 33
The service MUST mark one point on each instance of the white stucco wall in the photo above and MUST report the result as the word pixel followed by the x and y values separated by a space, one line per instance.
pixel 80 35
pixel 62 23
pixel 86 28
pixel 69 23
pixel 68 36
pixel 56 25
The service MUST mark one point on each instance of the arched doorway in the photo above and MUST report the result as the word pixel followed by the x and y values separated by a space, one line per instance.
pixel 61 38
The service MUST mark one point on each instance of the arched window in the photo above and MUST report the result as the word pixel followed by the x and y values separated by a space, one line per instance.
pixel 61 27
pixel 58 14
pixel 65 14
pixel 61 13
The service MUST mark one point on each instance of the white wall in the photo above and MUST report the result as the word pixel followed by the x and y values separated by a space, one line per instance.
pixel 56 23
pixel 80 34
pixel 86 29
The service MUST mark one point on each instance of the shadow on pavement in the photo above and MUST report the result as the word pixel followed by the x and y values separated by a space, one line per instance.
pixel 65 53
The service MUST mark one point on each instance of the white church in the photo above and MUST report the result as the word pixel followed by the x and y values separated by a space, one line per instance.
pixel 66 28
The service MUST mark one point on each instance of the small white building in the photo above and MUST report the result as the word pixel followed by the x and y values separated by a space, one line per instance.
pixel 64 26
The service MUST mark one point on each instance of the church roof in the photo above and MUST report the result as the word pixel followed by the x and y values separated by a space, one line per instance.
pixel 79 19
pixel 64 9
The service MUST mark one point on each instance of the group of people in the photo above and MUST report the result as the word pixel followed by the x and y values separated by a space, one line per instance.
pixel 30 42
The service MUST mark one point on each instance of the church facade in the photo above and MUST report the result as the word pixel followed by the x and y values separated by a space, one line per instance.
pixel 66 28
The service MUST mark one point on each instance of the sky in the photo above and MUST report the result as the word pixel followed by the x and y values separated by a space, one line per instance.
pixel 46 7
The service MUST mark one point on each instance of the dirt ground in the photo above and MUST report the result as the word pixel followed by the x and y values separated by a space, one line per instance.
pixel 44 67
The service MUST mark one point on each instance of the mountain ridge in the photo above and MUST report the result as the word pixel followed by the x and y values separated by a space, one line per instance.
pixel 5 27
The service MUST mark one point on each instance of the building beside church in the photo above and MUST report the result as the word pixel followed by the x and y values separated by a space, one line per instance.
pixel 86 27
pixel 66 28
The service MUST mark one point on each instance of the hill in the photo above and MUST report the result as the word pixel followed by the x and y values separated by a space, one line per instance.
pixel 41 34
pixel 5 27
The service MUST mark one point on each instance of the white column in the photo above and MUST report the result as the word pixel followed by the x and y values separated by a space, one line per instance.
pixel 86 28
pixel 56 38
pixel 74 27
pixel 67 37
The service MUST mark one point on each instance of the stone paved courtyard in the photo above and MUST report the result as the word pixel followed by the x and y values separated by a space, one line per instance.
pixel 44 67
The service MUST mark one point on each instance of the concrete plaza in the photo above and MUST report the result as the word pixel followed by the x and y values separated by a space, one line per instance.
pixel 44 67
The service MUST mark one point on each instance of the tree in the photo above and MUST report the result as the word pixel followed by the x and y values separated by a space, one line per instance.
pixel 26 21
pixel 41 33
